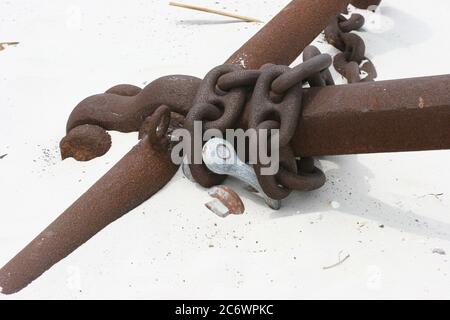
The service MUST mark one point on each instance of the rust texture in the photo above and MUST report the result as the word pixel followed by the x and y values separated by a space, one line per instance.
pixel 216 111
pixel 122 108
pixel 229 198
pixel 85 143
pixel 288 33
pixel 282 112
pixel 144 170
pixel 352 60
pixel 384 116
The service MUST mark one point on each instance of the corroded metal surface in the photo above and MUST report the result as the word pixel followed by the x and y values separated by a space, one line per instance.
pixel 288 33
pixel 85 143
pixel 282 111
pixel 143 171
pixel 275 94
pixel 122 108
pixel 399 115
pixel 215 110
pixel 352 60
pixel 384 116
pixel 227 197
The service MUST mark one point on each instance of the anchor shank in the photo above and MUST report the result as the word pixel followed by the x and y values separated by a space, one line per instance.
pixel 282 39
pixel 385 116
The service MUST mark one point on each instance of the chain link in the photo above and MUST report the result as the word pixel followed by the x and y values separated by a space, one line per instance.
pixel 217 108
pixel 352 61
pixel 283 114
pixel 276 103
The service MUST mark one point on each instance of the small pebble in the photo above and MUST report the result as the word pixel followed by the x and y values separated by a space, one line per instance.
pixel 335 204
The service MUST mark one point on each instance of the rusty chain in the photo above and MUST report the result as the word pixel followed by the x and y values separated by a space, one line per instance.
pixel 217 109
pixel 273 95
pixel 352 61
pixel 275 103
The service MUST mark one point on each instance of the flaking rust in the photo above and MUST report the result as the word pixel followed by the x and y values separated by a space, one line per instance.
pixel 145 170
pixel 287 34
pixel 122 108
pixel 398 115
pixel 85 142
pixel 352 60
pixel 226 197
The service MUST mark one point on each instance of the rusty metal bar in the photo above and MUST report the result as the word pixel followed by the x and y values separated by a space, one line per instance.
pixel 287 34
pixel 385 116
pixel 143 171
pixel 140 174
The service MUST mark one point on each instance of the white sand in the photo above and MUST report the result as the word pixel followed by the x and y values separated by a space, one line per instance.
pixel 390 214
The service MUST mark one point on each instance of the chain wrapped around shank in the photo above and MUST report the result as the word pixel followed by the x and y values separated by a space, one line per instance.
pixel 352 60
pixel 277 104
pixel 218 108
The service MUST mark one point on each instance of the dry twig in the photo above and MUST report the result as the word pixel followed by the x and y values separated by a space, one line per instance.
pixel 337 264
pixel 3 45
pixel 222 13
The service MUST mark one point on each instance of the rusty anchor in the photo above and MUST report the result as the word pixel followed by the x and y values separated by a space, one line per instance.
pixel 145 170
